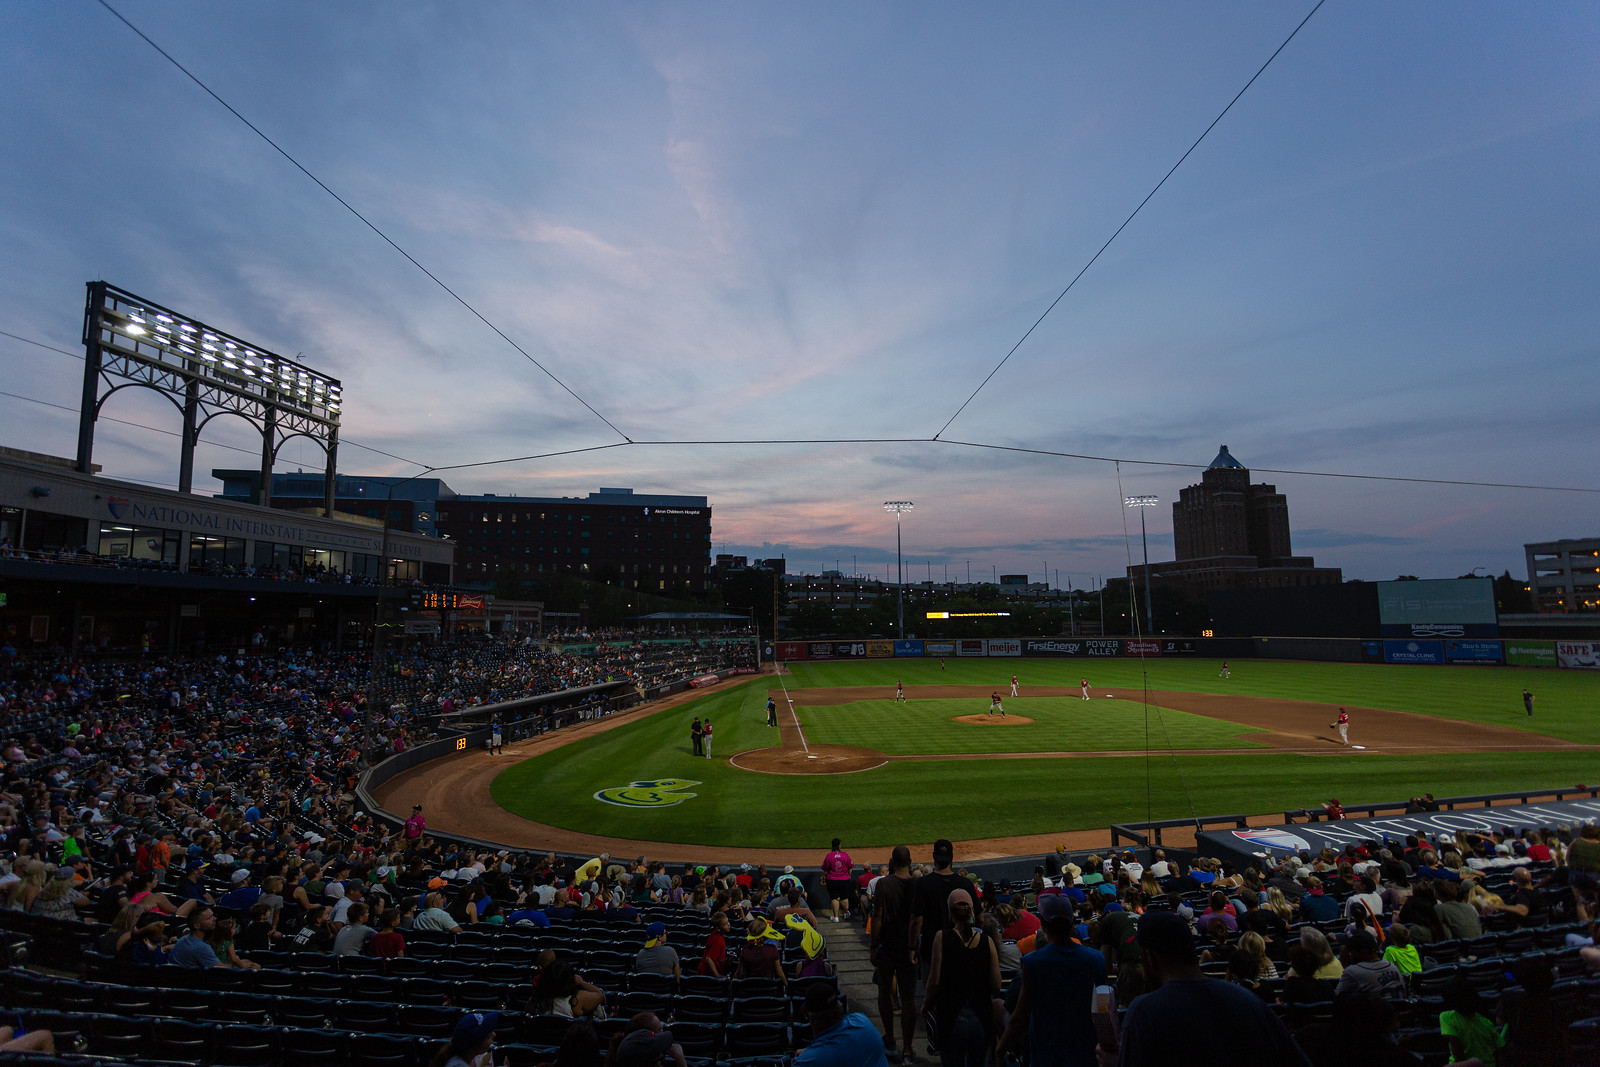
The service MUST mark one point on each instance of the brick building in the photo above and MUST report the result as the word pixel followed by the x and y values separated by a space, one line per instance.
pixel 637 541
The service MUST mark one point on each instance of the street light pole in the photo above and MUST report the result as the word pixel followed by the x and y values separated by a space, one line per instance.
pixel 899 507
pixel 1142 502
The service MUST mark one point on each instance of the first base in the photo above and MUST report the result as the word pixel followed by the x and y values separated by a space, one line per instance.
pixel 1363 748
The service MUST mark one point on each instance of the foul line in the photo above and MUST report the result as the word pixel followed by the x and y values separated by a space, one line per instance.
pixel 793 714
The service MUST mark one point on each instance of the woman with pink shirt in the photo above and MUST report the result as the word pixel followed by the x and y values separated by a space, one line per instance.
pixel 836 876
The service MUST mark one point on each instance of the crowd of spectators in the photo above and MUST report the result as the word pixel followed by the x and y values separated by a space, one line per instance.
pixel 1408 952
pixel 200 812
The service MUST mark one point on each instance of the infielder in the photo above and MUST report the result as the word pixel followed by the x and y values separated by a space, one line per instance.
pixel 899 693
pixel 1343 726
pixel 1013 685
pixel 1084 684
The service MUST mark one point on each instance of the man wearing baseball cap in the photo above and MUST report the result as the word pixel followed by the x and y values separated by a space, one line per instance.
pixel 1169 1024
pixel 657 957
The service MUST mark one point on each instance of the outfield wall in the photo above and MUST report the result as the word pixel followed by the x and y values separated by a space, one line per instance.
pixel 1514 652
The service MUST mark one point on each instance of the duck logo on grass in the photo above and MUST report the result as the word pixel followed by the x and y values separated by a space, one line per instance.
pixel 658 793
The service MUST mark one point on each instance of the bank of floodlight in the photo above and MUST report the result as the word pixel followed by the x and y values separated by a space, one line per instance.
pixel 129 340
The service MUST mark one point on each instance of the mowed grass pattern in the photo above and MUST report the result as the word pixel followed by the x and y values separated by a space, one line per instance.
pixel 1061 724
pixel 1567 703
pixel 917 801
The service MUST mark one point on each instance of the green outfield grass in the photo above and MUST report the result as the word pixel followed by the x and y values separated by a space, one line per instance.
pixel 921 800
pixel 1567 703
pixel 1060 724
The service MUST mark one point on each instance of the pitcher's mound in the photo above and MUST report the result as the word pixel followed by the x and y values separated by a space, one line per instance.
pixel 822 759
pixel 992 720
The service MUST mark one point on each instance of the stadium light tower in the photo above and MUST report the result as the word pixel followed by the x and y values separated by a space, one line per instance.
pixel 899 507
pixel 1142 502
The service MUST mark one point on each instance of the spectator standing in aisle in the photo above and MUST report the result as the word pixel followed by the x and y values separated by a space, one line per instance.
pixel 414 827
pixel 893 969
pixel 930 914
pixel 836 876
pixel 963 979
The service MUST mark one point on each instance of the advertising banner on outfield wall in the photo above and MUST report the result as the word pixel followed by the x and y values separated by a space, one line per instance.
pixel 908 648
pixel 792 649
pixel 1580 655
pixel 972 646
pixel 1072 646
pixel 1472 651
pixel 819 650
pixel 1142 648
pixel 1413 652
pixel 1179 648
pixel 1005 648
pixel 1279 841
pixel 938 648
pixel 880 649
pixel 1531 653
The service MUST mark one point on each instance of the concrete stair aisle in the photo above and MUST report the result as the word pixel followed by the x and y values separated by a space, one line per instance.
pixel 848 948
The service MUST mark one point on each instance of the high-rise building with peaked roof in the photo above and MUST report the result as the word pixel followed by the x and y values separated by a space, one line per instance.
pixel 1230 534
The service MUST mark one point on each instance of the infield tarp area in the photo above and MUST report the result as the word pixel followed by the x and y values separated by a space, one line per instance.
pixel 1245 846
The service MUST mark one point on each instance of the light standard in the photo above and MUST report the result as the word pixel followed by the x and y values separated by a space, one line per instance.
pixel 1143 502
pixel 899 507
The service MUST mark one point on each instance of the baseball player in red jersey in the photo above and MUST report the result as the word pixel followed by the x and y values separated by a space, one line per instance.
pixel 1084 683
pixel 1013 685
pixel 994 705
pixel 899 692
pixel 1343 726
